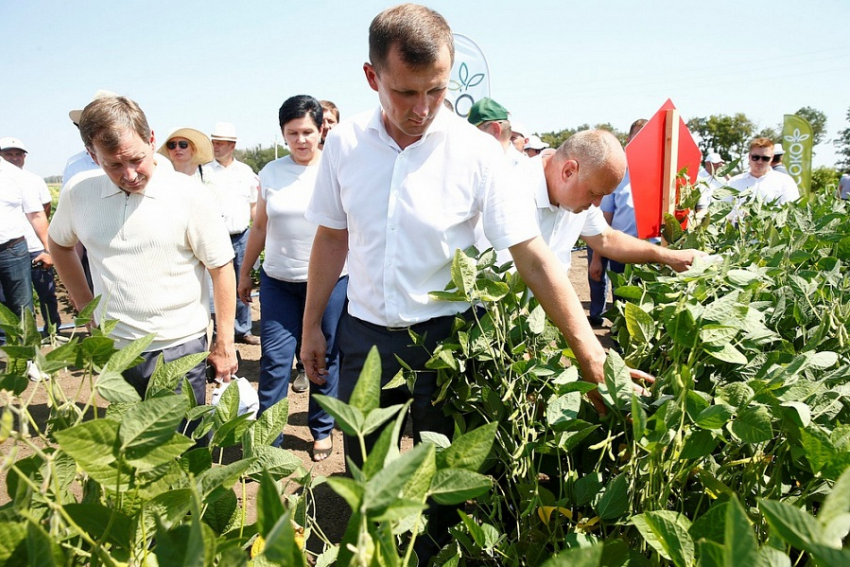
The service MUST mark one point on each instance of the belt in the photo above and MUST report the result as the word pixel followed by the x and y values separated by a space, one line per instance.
pixel 415 326
pixel 235 234
pixel 9 243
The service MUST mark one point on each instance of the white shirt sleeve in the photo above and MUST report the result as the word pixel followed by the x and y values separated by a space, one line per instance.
pixel 325 207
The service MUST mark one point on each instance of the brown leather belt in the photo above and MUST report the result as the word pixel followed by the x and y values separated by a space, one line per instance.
pixel 10 243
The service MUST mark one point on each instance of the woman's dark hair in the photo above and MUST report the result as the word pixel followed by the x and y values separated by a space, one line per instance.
pixel 299 106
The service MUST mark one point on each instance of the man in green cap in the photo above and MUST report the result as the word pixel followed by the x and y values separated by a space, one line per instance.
pixel 492 118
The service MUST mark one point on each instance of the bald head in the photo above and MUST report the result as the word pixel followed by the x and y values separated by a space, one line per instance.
pixel 588 166
pixel 599 155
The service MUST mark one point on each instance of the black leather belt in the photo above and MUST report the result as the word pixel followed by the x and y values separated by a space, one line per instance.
pixel 238 234
pixel 9 243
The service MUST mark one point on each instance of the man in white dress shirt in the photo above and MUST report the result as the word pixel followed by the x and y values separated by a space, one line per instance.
pixel 763 182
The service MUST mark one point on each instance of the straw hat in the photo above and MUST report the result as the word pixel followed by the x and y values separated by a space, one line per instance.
pixel 203 147
pixel 224 131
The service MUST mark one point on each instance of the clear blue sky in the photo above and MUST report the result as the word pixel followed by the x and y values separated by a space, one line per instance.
pixel 554 64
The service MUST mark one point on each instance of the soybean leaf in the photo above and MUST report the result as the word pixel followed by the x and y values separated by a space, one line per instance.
pixel 167 375
pixel 469 451
pixel 94 519
pixel 714 417
pixel 577 557
pixel 386 486
pixel 726 353
pixel 276 461
pixel 711 525
pixel 463 273
pixel 148 457
pixel 367 392
pixel 281 547
pixel 562 411
pixel 710 554
pixel 455 486
pixel 91 442
pixel 740 546
pixel 837 502
pixel 752 425
pixel 114 388
pixel 667 533
pixel 640 324
pixel 615 499
pixel 349 418
pixel 349 489
pixel 129 355
pixel 379 416
pixel 699 444
pixel 271 423
pixel 793 525
pixel 151 423
pixel 269 504
pixel 616 391
pixel 587 487
pixel 537 320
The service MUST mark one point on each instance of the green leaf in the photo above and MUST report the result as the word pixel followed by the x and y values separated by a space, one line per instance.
pixel 793 525
pixel 469 451
pixel 537 321
pixel 222 476
pixel 717 335
pixel 147 457
pixel 577 557
pixel 740 544
pixel 167 375
pixel 640 324
pixel 726 353
pixel 94 519
pixel 463 273
pixel 711 525
pixel 269 505
pixel 615 499
pixel 276 461
pixel 587 487
pixel 230 433
pixel 367 392
pixel 280 544
pixel 399 510
pixel 151 422
pixel 698 444
pixel 710 554
pixel 562 411
pixel 42 551
pixel 349 489
pixel 129 355
pixel 616 391
pixel 837 502
pixel 271 422
pixel 752 425
pixel 90 443
pixel 112 386
pixel 455 486
pixel 349 418
pixel 770 557
pixel 715 417
pixel 13 537
pixel 667 533
pixel 386 486
pixel 379 416
pixel 97 349
pixel 638 417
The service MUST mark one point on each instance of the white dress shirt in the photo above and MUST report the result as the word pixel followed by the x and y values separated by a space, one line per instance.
pixel 237 186
pixel 16 194
pixel 772 186
pixel 407 211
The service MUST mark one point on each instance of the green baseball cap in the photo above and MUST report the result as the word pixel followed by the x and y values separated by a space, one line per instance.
pixel 486 110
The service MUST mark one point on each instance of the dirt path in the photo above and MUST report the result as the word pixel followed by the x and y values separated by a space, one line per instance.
pixel 331 510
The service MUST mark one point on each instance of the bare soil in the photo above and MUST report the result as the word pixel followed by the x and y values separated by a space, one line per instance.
pixel 331 511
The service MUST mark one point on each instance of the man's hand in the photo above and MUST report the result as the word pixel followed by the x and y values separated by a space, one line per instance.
pixel 45 259
pixel 637 376
pixel 313 349
pixel 223 358
pixel 681 260
pixel 244 289
pixel 595 269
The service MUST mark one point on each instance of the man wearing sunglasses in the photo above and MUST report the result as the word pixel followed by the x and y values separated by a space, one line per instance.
pixel 762 181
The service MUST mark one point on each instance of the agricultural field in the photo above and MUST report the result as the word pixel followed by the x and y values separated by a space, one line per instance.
pixel 738 456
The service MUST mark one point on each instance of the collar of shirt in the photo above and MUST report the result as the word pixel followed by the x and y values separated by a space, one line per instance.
pixel 152 189
pixel 541 190
pixel 438 127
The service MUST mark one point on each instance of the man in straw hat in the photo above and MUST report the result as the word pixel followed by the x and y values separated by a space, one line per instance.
pixel 150 233
pixel 238 187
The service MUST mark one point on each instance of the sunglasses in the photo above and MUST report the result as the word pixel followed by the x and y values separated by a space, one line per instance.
pixel 172 145
pixel 762 158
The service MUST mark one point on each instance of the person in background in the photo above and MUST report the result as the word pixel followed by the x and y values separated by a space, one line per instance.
pixel 519 137
pixel 14 151
pixel 237 186
pixel 711 179
pixel 492 118
pixel 844 187
pixel 776 162
pixel 330 118
pixel 761 181
pixel 151 279
pixel 82 161
pixel 189 150
pixel 17 194
pixel 618 208
pixel 286 187
pixel 534 146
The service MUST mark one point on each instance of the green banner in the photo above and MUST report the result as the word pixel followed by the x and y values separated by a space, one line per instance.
pixel 797 141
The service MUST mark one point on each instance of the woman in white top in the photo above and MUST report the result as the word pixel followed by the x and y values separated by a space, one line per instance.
pixel 286 186
pixel 188 149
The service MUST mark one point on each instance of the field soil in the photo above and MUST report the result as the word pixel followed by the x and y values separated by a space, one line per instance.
pixel 331 511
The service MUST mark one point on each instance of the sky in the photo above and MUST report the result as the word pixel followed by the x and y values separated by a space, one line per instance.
pixel 553 64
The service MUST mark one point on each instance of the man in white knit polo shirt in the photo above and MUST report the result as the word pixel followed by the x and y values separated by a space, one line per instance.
pixel 150 233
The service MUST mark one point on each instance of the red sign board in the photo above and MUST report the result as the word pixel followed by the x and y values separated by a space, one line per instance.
pixel 645 155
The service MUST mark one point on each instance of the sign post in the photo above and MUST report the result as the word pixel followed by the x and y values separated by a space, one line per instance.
pixel 655 156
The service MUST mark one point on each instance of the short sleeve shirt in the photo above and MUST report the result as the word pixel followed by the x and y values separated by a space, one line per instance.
pixel 408 211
